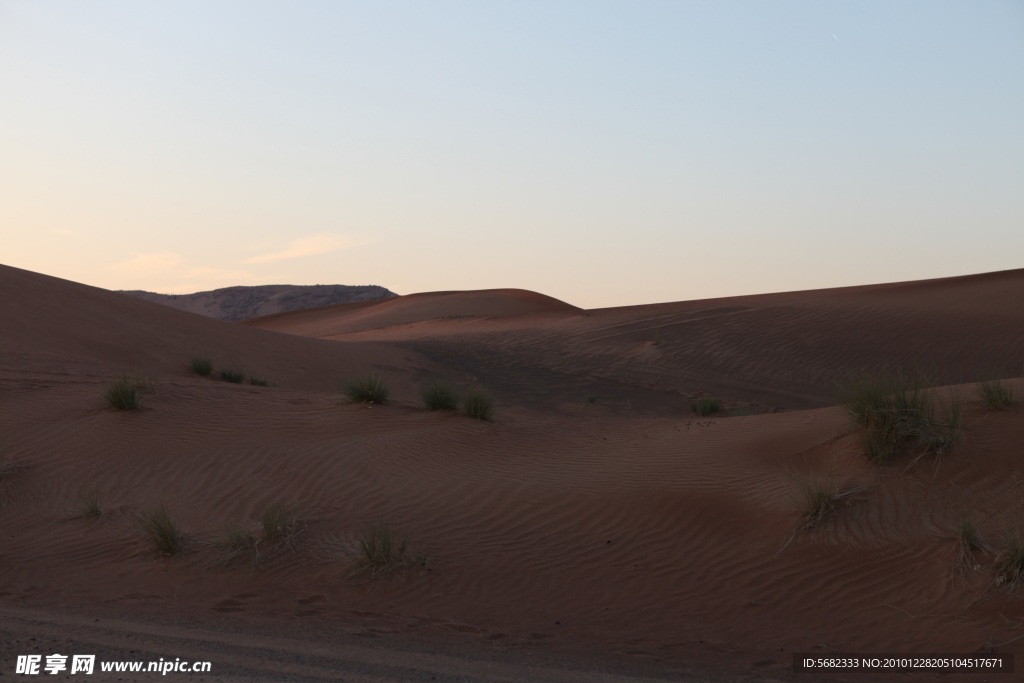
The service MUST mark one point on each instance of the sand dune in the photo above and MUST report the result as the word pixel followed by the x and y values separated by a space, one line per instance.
pixel 325 321
pixel 652 539
pixel 757 353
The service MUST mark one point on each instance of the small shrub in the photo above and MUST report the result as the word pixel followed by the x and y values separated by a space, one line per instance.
pixel 479 404
pixel 440 395
pixel 201 365
pixel 366 388
pixel 260 381
pixel 590 399
pixel 125 392
pixel 996 395
pixel 1010 563
pixel 656 341
pixel 233 376
pixel 706 406
pixel 162 531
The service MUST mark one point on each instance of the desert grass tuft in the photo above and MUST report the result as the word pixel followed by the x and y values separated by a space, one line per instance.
pixel 440 394
pixel 260 381
pixel 201 365
pixel 968 539
pixel 277 522
pixel 125 392
pixel 240 543
pixel 162 531
pixel 1010 563
pixel 995 394
pixel 590 399
pixel 816 499
pixel 898 413
pixel 233 376
pixel 706 406
pixel 479 404
pixel 90 508
pixel 368 387
pixel 379 551
pixel 656 340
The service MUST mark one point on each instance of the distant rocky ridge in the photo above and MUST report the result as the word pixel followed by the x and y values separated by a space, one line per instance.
pixel 240 303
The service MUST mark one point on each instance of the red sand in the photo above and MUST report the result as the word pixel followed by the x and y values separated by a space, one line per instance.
pixel 625 528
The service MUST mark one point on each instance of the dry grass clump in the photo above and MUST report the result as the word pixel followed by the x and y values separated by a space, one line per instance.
pixel 201 365
pixel 590 399
pixel 817 498
pixel 440 394
pixel 368 387
pixel 379 553
pixel 125 392
pixel 1010 563
pixel 242 542
pixel 968 539
pixel 260 381
pixel 995 394
pixel 898 413
pixel 479 404
pixel 233 376
pixel 162 531
pixel 706 406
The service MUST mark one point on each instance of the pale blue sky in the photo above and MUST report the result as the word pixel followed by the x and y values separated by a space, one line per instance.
pixel 605 153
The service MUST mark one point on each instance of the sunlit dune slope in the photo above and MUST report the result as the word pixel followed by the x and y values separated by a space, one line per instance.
pixel 364 315
pixel 760 353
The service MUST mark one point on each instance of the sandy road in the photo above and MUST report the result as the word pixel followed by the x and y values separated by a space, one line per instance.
pixel 244 655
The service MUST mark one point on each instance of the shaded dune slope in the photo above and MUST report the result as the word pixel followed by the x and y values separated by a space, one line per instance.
pixel 758 353
pixel 664 540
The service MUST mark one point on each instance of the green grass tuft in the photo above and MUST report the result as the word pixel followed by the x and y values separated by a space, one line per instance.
pixel 201 365
pixel 162 532
pixel 125 392
pixel 590 399
pixel 369 387
pixel 260 381
pixel 706 406
pixel 479 404
pixel 233 376
pixel 440 394
pixel 995 394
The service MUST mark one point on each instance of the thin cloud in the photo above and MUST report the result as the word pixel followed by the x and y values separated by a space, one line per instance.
pixel 307 246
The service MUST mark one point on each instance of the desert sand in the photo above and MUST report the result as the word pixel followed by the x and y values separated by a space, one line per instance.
pixel 624 533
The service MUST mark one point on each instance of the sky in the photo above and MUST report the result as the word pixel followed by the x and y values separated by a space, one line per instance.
pixel 604 153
